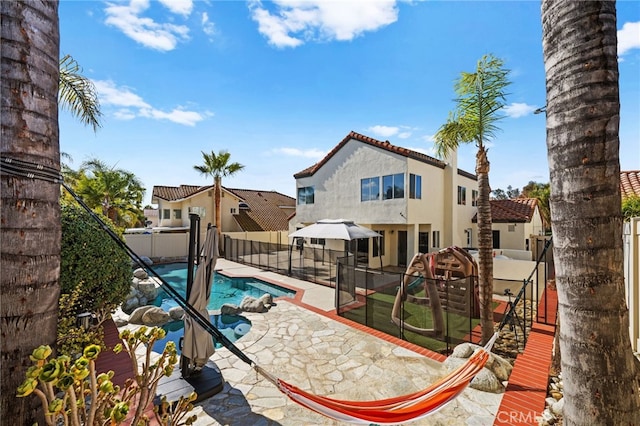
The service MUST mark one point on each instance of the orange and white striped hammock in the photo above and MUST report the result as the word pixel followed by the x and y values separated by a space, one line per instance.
pixel 391 410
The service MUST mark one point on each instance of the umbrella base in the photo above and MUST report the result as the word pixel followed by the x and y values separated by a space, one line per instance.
pixel 206 383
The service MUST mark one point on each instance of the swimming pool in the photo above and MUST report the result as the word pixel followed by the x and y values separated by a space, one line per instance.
pixel 224 289
pixel 232 326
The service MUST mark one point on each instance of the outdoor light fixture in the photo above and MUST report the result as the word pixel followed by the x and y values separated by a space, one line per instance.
pixel 540 110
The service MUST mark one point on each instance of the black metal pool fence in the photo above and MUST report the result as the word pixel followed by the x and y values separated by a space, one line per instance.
pixel 369 295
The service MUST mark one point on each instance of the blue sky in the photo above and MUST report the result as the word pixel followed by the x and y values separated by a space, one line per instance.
pixel 279 84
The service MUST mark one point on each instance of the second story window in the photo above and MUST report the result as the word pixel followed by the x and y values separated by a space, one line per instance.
pixel 370 189
pixel 166 214
pixel 415 186
pixel 393 186
pixel 474 198
pixel 177 214
pixel 306 195
pixel 462 195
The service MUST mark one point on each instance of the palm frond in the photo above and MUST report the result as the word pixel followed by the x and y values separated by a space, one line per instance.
pixel 78 94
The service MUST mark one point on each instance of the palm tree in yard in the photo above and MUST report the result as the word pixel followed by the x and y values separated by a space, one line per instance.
pixel 481 97
pixel 601 382
pixel 218 166
pixel 30 250
pixel 116 193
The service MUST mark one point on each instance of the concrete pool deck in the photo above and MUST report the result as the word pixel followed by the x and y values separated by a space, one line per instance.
pixel 303 343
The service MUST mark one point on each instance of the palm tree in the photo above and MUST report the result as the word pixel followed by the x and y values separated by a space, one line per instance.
pixel 481 96
pixel 116 193
pixel 30 250
pixel 600 381
pixel 541 192
pixel 218 166
pixel 78 94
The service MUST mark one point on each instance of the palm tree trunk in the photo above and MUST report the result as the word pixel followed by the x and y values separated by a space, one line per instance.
pixel 30 251
pixel 601 385
pixel 218 201
pixel 485 245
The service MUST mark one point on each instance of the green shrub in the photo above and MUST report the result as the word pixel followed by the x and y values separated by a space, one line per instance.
pixel 631 207
pixel 95 275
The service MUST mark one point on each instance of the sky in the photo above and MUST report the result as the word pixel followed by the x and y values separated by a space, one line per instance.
pixel 279 84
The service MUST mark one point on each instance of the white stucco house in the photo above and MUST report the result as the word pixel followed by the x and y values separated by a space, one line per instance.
pixel 416 202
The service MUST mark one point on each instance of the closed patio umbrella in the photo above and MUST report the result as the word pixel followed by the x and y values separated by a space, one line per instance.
pixel 197 343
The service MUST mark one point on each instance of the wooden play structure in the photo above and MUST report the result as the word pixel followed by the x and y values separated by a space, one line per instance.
pixel 434 272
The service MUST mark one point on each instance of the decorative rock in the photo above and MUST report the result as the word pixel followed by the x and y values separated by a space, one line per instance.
pixel 136 315
pixel 251 304
pixel 463 350
pixel 557 407
pixel 130 304
pixel 484 381
pixel 556 395
pixel 176 313
pixel 229 309
pixel 155 316
pixel 140 274
pixel 148 289
pixel 499 366
pixel 548 417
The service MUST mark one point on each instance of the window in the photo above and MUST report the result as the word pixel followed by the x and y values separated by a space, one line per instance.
pixel 370 189
pixel 393 186
pixel 200 211
pixel 319 241
pixel 474 198
pixel 166 214
pixel 306 195
pixel 423 242
pixel 469 233
pixel 177 214
pixel 415 186
pixel 233 210
pixel 436 239
pixel 462 195
pixel 378 245
pixel 511 228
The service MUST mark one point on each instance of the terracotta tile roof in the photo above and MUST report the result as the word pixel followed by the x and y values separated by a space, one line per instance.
pixel 266 210
pixel 173 193
pixel 386 145
pixel 630 183
pixel 519 210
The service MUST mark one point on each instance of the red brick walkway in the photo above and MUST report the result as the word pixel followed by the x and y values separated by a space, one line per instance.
pixel 524 399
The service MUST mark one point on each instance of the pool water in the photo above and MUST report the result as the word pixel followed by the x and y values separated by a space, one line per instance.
pixel 232 326
pixel 224 289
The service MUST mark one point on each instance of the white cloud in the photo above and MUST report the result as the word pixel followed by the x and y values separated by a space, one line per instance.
pixel 427 151
pixel 628 37
pixel 110 94
pixel 307 153
pixel 180 7
pixel 159 36
pixel 294 22
pixel 404 135
pixel 130 106
pixel 384 131
pixel 428 138
pixel 208 27
pixel 124 114
pixel 516 110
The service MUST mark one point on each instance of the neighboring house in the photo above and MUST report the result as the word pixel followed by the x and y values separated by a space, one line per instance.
pixel 513 222
pixel 241 209
pixel 630 183
pixel 417 202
